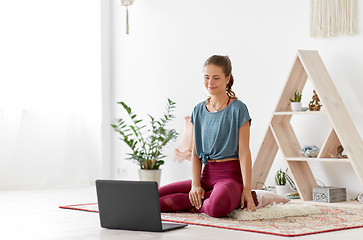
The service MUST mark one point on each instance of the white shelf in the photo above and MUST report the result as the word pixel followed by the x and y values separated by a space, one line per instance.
pixel 300 113
pixel 318 159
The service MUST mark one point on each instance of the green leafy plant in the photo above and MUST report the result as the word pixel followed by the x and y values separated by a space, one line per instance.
pixel 146 150
pixel 297 96
pixel 281 177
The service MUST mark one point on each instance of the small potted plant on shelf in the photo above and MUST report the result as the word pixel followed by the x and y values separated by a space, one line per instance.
pixel 296 102
pixel 146 150
pixel 281 179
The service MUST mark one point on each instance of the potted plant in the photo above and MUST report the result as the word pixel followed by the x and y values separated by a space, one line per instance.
pixel 146 150
pixel 296 102
pixel 280 178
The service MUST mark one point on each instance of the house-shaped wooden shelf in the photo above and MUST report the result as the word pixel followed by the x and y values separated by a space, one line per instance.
pixel 280 134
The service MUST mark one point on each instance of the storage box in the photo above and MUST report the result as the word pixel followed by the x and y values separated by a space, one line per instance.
pixel 329 194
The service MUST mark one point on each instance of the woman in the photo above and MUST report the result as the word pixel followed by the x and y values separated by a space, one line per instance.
pixel 221 128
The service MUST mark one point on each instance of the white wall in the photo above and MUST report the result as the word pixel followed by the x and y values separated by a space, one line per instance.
pixel 50 98
pixel 170 40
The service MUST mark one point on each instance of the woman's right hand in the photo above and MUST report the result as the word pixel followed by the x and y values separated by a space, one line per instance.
pixel 196 195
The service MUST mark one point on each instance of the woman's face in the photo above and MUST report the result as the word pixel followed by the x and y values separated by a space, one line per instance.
pixel 214 79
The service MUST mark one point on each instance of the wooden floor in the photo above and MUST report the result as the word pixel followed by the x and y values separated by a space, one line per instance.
pixel 35 215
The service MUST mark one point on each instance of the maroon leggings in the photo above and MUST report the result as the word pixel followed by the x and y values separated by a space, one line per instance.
pixel 222 183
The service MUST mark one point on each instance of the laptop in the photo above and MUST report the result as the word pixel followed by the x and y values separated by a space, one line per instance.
pixel 131 205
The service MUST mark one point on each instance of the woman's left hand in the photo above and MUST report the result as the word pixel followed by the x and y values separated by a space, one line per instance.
pixel 246 198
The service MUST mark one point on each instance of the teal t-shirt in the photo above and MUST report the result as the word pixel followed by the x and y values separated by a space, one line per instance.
pixel 216 133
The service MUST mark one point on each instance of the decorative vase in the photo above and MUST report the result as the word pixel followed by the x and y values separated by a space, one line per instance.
pixel 150 175
pixel 296 106
pixel 282 189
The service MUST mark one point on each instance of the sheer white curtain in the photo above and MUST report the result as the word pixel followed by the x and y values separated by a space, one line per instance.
pixel 50 93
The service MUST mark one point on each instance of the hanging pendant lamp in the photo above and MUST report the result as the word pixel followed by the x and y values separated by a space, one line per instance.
pixel 127 3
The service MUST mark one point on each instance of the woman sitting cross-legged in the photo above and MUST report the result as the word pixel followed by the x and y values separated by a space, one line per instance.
pixel 221 130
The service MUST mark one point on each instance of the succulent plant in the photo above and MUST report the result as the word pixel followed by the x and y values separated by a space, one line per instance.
pixel 297 96
pixel 281 178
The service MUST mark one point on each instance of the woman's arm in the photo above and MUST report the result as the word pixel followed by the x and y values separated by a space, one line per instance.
pixel 196 166
pixel 244 154
pixel 196 194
